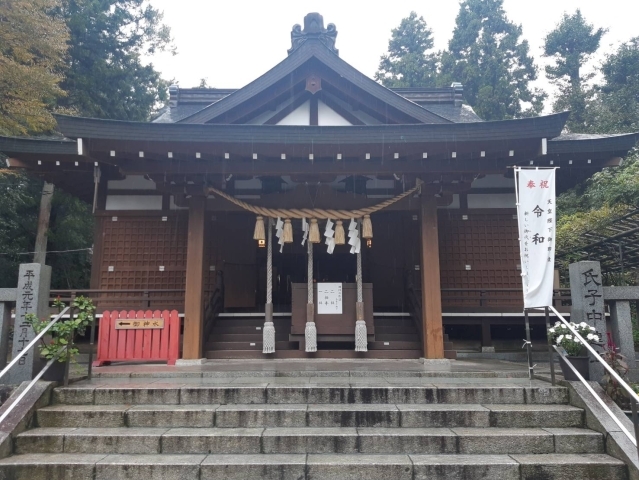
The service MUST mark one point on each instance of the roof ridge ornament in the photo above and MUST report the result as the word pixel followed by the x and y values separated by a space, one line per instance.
pixel 314 29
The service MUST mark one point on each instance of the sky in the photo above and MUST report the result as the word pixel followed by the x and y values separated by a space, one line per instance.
pixel 232 42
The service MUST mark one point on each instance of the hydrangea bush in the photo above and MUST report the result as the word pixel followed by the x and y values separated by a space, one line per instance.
pixel 561 336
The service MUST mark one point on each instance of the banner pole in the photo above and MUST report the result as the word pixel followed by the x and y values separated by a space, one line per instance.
pixel 531 368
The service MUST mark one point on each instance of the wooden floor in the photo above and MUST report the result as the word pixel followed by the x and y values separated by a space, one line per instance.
pixel 240 336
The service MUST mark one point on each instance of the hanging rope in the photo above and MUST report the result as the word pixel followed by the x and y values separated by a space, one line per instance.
pixel 314 212
pixel 310 332
pixel 361 335
pixel 268 331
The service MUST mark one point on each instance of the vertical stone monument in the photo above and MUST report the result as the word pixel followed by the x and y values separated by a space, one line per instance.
pixel 32 296
pixel 586 291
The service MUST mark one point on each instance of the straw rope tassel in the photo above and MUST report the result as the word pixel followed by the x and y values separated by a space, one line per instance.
pixel 310 333
pixel 268 332
pixel 340 238
pixel 361 335
pixel 258 233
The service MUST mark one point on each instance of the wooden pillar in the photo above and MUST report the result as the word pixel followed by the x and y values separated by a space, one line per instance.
pixel 432 331
pixel 194 295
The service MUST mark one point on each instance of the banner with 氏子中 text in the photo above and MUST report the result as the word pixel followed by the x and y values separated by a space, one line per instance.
pixel 536 218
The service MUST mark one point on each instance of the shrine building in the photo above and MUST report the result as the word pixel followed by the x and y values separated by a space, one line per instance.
pixel 219 209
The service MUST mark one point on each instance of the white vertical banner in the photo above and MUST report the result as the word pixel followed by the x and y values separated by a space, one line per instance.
pixel 536 218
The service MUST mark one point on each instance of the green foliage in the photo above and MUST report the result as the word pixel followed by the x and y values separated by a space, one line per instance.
pixel 64 331
pixel 409 61
pixel 488 56
pixel 570 45
pixel 616 107
pixel 619 364
pixel 32 48
pixel 70 228
pixel 106 77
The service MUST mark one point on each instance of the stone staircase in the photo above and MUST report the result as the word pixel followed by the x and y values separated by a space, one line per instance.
pixel 380 426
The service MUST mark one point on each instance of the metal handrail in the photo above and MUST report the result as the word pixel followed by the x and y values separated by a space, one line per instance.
pixel 610 370
pixel 634 398
pixel 34 341
pixel 30 385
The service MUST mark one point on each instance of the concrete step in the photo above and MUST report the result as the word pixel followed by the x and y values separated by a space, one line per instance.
pixel 290 440
pixel 312 467
pixel 282 393
pixel 314 415
pixel 366 391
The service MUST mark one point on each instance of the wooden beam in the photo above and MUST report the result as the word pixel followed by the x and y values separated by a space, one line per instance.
pixel 433 332
pixel 194 295
pixel 314 120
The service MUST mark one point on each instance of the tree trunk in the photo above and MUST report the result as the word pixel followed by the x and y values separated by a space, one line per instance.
pixel 43 224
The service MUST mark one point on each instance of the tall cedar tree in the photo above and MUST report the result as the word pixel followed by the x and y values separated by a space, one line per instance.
pixel 489 57
pixel 106 77
pixel 32 48
pixel 409 61
pixel 616 108
pixel 570 45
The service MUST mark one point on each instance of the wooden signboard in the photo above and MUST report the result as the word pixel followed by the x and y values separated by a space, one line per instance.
pixel 140 324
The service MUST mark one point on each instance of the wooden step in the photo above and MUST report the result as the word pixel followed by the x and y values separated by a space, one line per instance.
pixel 396 330
pixel 250 345
pixel 390 354
pixel 381 345
pixel 248 337
pixel 397 337
pixel 250 322
pixel 221 329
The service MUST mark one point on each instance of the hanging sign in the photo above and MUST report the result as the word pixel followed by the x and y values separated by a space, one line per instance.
pixel 139 324
pixel 329 298
pixel 536 218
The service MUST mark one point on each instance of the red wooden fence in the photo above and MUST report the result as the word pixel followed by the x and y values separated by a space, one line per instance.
pixel 138 345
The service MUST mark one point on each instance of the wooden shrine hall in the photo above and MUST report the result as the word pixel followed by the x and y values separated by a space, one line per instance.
pixel 313 212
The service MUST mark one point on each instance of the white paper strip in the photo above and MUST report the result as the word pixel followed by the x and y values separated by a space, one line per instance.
pixel 536 219
pixel 331 245
pixel 305 228
pixel 352 226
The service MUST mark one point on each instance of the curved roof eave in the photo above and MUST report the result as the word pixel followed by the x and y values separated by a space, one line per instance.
pixel 549 126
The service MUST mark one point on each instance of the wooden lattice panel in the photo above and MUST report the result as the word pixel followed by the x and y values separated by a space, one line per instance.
pixel 487 242
pixel 135 247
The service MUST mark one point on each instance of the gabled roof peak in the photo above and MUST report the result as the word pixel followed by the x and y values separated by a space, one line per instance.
pixel 314 29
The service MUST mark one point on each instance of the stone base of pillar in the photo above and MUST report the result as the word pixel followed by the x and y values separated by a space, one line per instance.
pixel 188 362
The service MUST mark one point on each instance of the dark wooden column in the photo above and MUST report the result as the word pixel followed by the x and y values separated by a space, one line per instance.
pixel 433 334
pixel 194 295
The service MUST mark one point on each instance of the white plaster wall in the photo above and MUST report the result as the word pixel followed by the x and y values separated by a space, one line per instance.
pixel 173 206
pixel 329 117
pixel 492 200
pixel 494 181
pixel 300 116
pixel 132 182
pixel 134 202
pixel 455 203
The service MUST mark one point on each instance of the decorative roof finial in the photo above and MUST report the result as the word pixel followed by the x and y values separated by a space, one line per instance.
pixel 314 29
